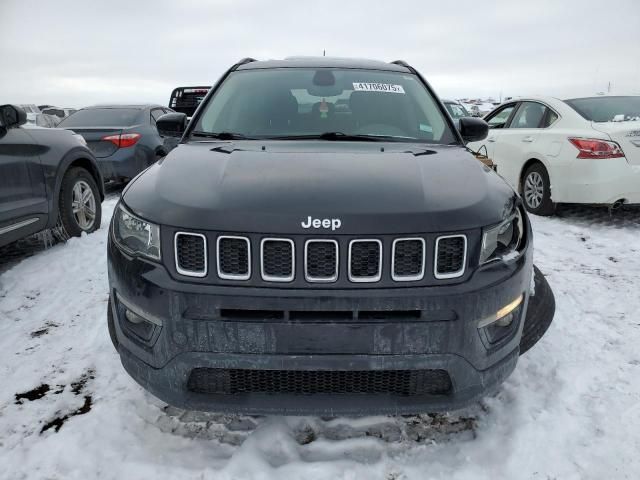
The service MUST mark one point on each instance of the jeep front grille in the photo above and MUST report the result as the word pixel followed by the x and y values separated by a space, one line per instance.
pixel 235 381
pixel 321 260
pixel 191 254
pixel 365 260
pixel 451 256
pixel 407 259
pixel 234 257
pixel 300 260
pixel 277 259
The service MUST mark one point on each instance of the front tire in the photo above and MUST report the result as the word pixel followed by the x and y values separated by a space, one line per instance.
pixel 111 324
pixel 79 208
pixel 536 191
pixel 540 312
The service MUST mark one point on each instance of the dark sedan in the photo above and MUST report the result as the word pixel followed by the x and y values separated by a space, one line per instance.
pixel 123 138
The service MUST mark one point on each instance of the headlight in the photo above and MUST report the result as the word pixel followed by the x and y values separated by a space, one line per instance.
pixel 505 240
pixel 136 236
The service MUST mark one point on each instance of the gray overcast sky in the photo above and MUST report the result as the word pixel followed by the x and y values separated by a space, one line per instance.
pixel 79 52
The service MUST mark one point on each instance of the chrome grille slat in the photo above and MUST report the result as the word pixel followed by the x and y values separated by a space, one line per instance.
pixel 232 258
pixel 408 257
pixel 450 256
pixel 190 253
pixel 280 263
pixel 365 257
pixel 317 265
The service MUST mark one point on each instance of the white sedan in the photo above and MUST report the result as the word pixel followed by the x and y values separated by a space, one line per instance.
pixel 581 150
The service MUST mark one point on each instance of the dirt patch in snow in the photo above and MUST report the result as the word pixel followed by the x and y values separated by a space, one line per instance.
pixel 58 422
pixel 33 394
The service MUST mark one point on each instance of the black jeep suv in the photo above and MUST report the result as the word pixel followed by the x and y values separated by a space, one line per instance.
pixel 49 179
pixel 321 241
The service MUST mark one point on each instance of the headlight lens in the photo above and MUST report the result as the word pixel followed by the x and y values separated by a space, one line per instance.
pixel 505 240
pixel 136 236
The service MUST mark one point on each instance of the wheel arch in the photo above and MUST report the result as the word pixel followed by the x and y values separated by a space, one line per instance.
pixel 525 167
pixel 74 158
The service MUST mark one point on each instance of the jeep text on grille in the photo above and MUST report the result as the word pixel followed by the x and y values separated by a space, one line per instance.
pixel 332 223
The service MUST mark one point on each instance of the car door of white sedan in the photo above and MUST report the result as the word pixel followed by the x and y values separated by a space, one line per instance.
pixel 518 142
pixel 497 121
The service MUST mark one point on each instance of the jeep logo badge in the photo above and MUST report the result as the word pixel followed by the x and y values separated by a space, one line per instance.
pixel 332 223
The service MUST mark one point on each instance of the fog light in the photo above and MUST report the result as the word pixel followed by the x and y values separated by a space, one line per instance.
pixel 504 316
pixel 504 321
pixel 133 317
pixel 136 314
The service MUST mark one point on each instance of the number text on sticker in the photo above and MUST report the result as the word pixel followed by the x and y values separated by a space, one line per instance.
pixel 377 87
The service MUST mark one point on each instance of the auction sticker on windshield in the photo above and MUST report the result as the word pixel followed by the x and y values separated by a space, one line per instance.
pixel 377 87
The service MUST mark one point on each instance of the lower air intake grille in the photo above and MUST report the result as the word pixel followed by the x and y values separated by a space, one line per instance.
pixel 307 382
pixel 191 255
pixel 277 260
pixel 234 258
pixel 451 254
pixel 365 260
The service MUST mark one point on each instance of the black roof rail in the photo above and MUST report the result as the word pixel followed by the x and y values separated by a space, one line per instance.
pixel 243 62
pixel 402 63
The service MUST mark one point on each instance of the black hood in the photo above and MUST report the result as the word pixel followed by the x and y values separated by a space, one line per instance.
pixel 271 187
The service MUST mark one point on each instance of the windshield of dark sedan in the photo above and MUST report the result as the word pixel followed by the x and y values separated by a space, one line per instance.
pixel 607 109
pixel 456 110
pixel 102 117
pixel 301 102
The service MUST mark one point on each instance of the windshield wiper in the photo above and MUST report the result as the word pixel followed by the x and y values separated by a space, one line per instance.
pixel 222 135
pixel 332 136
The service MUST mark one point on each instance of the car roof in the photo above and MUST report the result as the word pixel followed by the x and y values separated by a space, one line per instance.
pixel 603 95
pixel 133 106
pixel 324 62
pixel 554 102
pixel 552 99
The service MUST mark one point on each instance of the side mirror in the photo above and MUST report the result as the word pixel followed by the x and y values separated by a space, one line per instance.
pixel 171 124
pixel 12 116
pixel 473 129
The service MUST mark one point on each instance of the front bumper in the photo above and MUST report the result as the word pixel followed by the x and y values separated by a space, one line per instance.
pixel 192 331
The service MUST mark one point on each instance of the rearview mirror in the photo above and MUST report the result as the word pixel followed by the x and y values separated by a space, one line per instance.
pixel 473 129
pixel 171 124
pixel 12 116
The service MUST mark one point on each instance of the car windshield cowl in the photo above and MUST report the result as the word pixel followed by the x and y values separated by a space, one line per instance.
pixel 222 135
pixel 329 136
pixel 336 136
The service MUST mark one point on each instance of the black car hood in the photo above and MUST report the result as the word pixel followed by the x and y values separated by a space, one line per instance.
pixel 272 187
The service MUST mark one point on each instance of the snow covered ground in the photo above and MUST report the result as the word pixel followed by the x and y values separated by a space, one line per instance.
pixel 570 411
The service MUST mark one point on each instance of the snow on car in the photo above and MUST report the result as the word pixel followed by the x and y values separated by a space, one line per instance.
pixel 571 410
pixel 581 150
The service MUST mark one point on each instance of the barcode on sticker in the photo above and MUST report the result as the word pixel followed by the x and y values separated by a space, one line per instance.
pixel 377 87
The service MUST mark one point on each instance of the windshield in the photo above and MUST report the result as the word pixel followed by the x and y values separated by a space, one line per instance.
pixel 456 110
pixel 303 103
pixel 607 109
pixel 102 117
